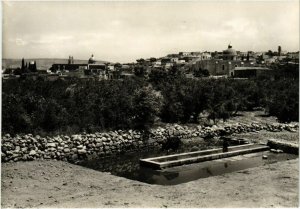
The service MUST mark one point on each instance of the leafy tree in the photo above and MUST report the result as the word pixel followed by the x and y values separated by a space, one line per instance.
pixel 201 72
pixel 18 71
pixel 284 102
pixel 147 105
pixel 153 59
pixel 140 71
pixel 158 76
pixel 140 61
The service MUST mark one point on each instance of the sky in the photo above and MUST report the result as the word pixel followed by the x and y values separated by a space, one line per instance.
pixel 126 31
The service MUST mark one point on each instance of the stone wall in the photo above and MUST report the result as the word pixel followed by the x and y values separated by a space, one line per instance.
pixel 285 146
pixel 81 146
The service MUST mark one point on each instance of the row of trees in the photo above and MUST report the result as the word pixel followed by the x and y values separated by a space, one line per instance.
pixel 78 105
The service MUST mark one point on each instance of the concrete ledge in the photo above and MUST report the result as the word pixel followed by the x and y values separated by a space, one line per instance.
pixel 188 158
pixel 197 153
pixel 284 146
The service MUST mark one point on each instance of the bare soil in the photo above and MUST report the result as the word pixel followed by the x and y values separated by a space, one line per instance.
pixel 60 184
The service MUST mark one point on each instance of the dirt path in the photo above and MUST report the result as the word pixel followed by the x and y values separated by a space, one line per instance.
pixel 60 184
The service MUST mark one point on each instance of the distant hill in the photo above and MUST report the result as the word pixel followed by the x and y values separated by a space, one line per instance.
pixel 41 63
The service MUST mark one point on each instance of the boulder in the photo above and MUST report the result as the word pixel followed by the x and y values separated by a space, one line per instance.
pixel 74 157
pixel 51 144
pixel 74 150
pixel 98 140
pixel 52 149
pixel 99 144
pixel 32 153
pixel 66 150
pixel 104 139
pixel 47 156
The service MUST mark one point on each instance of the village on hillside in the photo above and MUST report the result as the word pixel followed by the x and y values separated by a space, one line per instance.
pixel 227 63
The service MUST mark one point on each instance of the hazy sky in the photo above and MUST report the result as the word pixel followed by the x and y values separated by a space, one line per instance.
pixel 126 31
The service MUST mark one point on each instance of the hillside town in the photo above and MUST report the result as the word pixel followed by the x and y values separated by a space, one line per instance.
pixel 229 63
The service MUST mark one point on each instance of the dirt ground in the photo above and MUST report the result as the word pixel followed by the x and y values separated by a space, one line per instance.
pixel 60 184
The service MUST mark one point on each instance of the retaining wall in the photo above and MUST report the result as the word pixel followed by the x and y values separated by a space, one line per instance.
pixel 284 146
pixel 81 146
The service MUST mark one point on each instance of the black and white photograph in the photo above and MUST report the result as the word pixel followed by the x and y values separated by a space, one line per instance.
pixel 150 104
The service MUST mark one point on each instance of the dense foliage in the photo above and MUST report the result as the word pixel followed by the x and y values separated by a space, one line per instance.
pixel 76 105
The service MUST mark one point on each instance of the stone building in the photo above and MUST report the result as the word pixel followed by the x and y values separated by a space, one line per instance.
pixel 91 68
pixel 223 64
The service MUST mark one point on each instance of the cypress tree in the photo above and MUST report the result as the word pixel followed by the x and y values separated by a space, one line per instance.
pixel 23 64
pixel 34 66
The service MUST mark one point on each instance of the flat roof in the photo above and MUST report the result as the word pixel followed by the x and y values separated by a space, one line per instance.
pixel 101 64
pixel 252 68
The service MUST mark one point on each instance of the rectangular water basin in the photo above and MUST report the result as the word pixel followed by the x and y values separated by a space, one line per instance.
pixel 200 156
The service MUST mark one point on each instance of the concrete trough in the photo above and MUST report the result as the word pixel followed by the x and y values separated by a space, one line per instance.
pixel 200 156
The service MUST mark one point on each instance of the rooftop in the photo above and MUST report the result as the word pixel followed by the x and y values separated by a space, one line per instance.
pixel 251 68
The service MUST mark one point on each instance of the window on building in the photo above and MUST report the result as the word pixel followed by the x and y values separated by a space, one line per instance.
pixel 223 67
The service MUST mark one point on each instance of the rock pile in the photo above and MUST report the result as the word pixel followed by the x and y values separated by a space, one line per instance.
pixel 81 146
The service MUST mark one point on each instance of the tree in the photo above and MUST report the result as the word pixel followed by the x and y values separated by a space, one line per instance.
pixel 140 61
pixel 283 101
pixel 158 76
pixel 270 53
pixel 201 72
pixel 34 67
pixel 152 59
pixel 147 105
pixel 18 71
pixel 117 65
pixel 140 71
pixel 23 64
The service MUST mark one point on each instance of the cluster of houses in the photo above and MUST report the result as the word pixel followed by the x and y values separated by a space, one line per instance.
pixel 232 63
pixel 227 63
